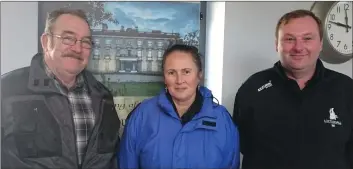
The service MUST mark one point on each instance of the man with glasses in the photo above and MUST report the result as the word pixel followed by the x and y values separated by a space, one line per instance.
pixel 54 113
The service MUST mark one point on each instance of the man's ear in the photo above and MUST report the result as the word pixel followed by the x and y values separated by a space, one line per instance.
pixel 44 42
pixel 276 44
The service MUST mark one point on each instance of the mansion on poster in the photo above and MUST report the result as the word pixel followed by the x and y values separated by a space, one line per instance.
pixel 129 50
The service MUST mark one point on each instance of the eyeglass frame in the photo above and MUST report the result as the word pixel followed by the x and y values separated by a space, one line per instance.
pixel 72 39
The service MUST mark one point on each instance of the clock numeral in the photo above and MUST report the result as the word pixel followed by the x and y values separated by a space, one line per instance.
pixel 333 16
pixel 331 37
pixel 339 42
pixel 338 9
pixel 345 47
pixel 346 6
pixel 329 26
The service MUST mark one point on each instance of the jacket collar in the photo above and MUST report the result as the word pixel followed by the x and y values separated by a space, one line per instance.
pixel 318 75
pixel 206 110
pixel 39 81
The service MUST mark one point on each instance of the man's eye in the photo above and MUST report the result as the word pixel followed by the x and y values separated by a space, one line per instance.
pixel 69 38
pixel 308 38
pixel 87 42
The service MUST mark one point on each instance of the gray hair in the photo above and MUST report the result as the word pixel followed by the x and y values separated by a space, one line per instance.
pixel 54 15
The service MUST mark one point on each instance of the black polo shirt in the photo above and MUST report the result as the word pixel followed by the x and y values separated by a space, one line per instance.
pixel 284 127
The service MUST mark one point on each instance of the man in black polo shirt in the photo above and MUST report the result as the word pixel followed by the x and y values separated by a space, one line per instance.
pixel 297 114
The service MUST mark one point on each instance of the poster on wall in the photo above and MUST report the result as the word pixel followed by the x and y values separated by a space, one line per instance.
pixel 129 42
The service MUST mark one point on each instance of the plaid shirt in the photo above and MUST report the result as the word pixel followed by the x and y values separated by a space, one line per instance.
pixel 82 112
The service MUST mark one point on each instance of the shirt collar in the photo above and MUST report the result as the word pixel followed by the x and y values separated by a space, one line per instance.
pixel 79 79
pixel 318 74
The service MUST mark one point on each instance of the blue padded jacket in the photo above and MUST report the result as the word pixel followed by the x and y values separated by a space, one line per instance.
pixel 155 138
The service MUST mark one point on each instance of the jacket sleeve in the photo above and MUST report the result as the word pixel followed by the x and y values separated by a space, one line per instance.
pixel 232 155
pixel 350 151
pixel 128 149
pixel 242 116
pixel 9 155
pixel 4 154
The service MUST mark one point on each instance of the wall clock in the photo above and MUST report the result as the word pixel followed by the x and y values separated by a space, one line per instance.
pixel 337 25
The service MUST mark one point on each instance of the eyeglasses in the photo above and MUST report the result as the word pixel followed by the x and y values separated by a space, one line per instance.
pixel 69 40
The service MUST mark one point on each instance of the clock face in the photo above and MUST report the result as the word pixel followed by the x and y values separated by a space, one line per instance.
pixel 338 27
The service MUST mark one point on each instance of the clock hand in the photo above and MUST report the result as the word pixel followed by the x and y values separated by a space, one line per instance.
pixel 346 19
pixel 341 24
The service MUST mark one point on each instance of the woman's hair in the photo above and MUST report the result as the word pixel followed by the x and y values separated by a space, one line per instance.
pixel 196 56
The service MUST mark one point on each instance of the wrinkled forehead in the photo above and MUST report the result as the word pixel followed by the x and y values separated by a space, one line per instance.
pixel 72 25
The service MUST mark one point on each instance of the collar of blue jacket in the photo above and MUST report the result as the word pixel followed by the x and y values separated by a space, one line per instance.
pixel 206 109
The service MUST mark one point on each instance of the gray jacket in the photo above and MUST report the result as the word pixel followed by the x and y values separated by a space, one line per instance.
pixel 37 124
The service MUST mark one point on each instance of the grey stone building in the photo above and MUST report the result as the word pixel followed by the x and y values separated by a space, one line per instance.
pixel 129 51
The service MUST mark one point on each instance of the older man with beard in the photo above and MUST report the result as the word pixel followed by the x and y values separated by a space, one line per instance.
pixel 54 113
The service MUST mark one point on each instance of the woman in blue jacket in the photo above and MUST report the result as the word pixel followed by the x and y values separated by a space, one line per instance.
pixel 181 127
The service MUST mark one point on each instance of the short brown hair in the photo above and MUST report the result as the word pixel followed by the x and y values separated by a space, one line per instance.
pixel 298 14
pixel 54 15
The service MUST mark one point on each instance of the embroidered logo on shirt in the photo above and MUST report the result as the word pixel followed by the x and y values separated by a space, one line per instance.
pixel 333 119
pixel 265 86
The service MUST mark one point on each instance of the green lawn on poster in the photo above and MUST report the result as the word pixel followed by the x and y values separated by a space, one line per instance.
pixel 135 88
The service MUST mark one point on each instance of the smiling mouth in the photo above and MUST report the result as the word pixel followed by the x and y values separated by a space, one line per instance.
pixel 74 57
pixel 180 89
pixel 298 56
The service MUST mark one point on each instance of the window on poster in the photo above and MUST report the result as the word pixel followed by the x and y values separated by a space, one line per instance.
pixel 149 54
pixel 160 44
pixel 160 55
pixel 149 44
pixel 139 53
pixel 139 43
pixel 108 43
pixel 96 54
pixel 96 43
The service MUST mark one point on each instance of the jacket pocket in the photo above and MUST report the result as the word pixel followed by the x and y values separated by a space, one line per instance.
pixel 36 132
pixel 108 137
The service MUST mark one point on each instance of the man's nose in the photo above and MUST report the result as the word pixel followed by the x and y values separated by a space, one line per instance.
pixel 298 46
pixel 77 47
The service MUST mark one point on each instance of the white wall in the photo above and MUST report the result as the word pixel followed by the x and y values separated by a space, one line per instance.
pixel 249 44
pixel 215 18
pixel 19 34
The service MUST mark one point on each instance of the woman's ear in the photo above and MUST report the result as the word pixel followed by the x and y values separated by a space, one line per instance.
pixel 200 75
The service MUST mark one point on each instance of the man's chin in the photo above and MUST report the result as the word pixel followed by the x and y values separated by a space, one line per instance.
pixel 74 71
pixel 297 64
